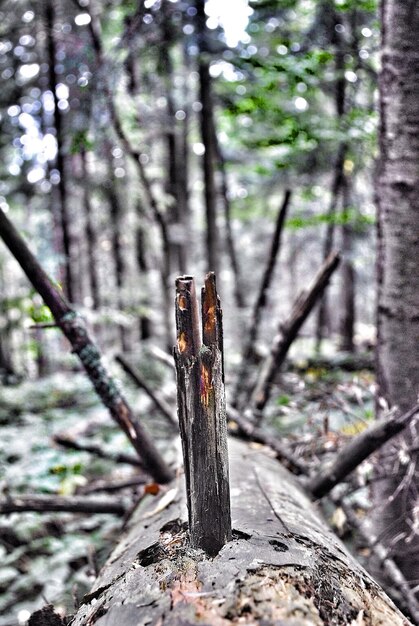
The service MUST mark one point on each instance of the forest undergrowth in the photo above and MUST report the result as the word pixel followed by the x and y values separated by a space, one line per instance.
pixel 54 557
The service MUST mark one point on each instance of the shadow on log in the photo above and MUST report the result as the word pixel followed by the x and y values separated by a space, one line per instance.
pixel 284 565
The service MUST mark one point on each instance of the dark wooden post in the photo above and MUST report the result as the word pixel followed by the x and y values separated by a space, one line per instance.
pixel 202 414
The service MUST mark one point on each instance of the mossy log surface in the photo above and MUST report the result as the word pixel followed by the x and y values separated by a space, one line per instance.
pixel 283 567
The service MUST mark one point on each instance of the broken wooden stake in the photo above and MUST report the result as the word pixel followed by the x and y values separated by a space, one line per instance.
pixel 202 414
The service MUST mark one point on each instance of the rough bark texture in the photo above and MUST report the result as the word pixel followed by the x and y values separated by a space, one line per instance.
pixel 284 566
pixel 398 271
pixel 202 416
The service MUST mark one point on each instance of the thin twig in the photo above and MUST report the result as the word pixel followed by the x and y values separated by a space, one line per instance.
pixel 97 450
pixel 159 402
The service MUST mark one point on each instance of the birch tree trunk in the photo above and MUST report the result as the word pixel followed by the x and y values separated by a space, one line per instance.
pixel 396 498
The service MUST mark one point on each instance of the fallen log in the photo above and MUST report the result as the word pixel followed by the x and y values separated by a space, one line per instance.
pixel 284 565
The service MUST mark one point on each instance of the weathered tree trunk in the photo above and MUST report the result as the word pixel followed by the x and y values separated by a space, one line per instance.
pixel 202 414
pixel 283 566
pixel 396 499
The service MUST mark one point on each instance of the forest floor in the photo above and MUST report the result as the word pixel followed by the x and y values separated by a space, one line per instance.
pixel 54 557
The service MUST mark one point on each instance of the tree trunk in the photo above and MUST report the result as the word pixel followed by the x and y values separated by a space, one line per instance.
pixel 140 249
pixel 91 238
pixel 396 500
pixel 347 321
pixel 323 317
pixel 75 330
pixel 175 178
pixel 63 212
pixel 116 215
pixel 283 566
pixel 208 159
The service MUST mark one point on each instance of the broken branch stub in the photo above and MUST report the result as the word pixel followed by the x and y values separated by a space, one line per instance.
pixel 202 414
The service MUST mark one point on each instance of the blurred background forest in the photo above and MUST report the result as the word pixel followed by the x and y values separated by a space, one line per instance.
pixel 140 143
pixel 143 140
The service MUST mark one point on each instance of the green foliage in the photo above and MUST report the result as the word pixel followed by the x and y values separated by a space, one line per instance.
pixel 81 142
pixel 357 5
pixel 41 314
pixel 350 216
pixel 283 400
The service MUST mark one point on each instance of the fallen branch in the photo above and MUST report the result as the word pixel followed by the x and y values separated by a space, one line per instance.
pixel 247 430
pixel 75 330
pixel 260 302
pixel 288 331
pixel 162 356
pixel 114 485
pixel 159 402
pixel 357 450
pixel 97 450
pixel 69 504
